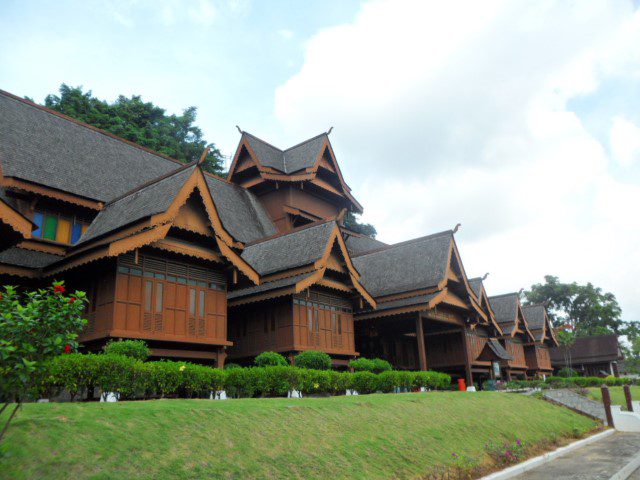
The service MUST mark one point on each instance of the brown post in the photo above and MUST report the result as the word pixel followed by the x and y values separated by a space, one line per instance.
pixel 222 356
pixel 627 396
pixel 422 350
pixel 467 362
pixel 606 399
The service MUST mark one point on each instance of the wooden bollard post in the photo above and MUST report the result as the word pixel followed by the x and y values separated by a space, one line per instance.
pixel 627 396
pixel 606 399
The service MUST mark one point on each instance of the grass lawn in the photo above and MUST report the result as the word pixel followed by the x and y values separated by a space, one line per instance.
pixel 617 395
pixel 364 437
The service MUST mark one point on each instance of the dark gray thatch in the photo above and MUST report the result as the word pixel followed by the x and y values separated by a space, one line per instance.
pixel 267 287
pixel 295 249
pixel 535 317
pixel 476 285
pixel 27 258
pixel 357 245
pixel 41 147
pixel 143 203
pixel 505 309
pixel 242 214
pixel 291 160
pixel 419 263
pixel 498 349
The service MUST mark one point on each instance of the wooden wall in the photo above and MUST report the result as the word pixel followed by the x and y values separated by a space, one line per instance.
pixel 294 323
pixel 159 300
pixel 444 350
pixel 516 350
pixel 537 357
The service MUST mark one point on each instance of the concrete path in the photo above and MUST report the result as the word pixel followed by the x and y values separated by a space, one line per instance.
pixel 598 461
pixel 576 402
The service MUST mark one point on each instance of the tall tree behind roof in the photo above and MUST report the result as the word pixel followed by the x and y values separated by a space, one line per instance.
pixel 351 222
pixel 140 122
pixel 588 309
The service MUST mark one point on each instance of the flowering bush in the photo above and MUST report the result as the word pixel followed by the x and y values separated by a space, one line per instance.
pixel 35 327
pixel 506 453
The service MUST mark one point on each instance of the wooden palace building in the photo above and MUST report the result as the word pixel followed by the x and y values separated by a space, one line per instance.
pixel 210 269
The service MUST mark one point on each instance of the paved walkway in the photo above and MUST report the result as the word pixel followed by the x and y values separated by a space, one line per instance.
pixel 577 402
pixel 598 461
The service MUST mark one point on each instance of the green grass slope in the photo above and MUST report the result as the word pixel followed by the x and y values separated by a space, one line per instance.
pixel 365 437
pixel 617 395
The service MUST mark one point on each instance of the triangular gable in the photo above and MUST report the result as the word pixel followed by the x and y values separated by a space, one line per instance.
pixel 521 325
pixel 13 225
pixel 157 228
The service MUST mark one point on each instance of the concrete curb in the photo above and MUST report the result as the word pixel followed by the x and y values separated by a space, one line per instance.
pixel 627 470
pixel 547 457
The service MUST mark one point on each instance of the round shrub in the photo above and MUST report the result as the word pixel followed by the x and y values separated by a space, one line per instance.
pixel 129 348
pixel 114 373
pixel 314 360
pixel 270 359
pixel 318 381
pixel 364 382
pixel 275 381
pixel 73 372
pixel 362 365
pixel 231 366
pixel 380 365
pixel 166 377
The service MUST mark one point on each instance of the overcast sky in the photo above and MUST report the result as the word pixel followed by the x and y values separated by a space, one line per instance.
pixel 520 120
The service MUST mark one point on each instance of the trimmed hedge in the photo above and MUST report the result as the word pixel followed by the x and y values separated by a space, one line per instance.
pixel 133 379
pixel 570 382
pixel 377 365
pixel 129 348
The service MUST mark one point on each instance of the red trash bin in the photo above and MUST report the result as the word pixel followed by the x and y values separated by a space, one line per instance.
pixel 462 385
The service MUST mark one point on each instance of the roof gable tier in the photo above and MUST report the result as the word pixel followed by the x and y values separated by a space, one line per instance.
pixel 311 164
pixel 145 217
pixel 14 227
pixel 509 316
pixel 312 255
pixel 540 324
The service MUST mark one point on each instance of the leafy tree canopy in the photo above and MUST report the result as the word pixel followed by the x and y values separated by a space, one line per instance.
pixel 351 222
pixel 586 308
pixel 140 122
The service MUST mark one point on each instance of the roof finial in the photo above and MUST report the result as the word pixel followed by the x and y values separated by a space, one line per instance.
pixel 455 229
pixel 329 131
pixel 204 156
pixel 484 277
pixel 239 129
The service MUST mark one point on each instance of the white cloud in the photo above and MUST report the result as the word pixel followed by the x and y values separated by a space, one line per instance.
pixel 449 112
pixel 203 12
pixel 285 34
pixel 625 142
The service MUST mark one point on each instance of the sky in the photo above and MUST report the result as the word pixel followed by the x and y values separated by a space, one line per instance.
pixel 518 119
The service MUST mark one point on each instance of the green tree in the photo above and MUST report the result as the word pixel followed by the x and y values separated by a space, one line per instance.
pixel 34 327
pixel 351 222
pixel 586 308
pixel 140 122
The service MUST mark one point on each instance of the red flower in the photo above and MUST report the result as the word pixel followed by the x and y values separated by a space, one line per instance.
pixel 59 289
pixel 72 299
pixel 67 349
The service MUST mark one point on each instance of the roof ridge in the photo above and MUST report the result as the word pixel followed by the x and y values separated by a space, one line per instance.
pixel 406 242
pixel 152 182
pixel 305 141
pixel 317 223
pixel 88 126
pixel 263 141
pixel 503 295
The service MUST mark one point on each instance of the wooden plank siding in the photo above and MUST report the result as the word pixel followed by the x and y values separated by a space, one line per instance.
pixel 538 359
pixel 157 299
pixel 516 350
pixel 293 323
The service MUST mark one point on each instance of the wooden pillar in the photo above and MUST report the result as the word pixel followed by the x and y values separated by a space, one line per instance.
pixel 627 396
pixel 222 356
pixel 467 361
pixel 292 361
pixel 422 350
pixel 606 399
